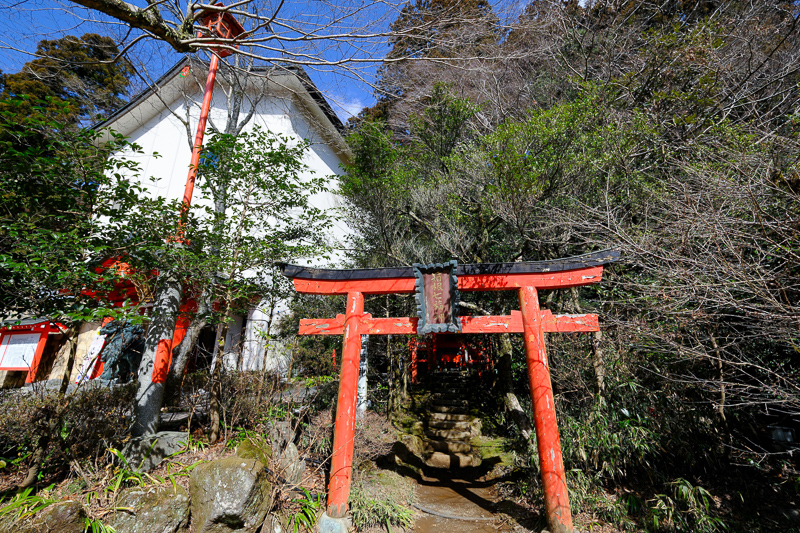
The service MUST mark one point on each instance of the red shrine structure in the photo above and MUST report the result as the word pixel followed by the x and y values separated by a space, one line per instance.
pixel 437 288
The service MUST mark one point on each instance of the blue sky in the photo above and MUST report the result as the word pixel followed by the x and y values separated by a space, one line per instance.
pixel 23 23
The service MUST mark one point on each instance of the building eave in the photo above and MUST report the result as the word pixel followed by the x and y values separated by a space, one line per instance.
pixel 164 91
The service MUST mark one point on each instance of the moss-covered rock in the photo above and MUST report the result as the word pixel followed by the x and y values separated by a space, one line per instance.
pixel 254 449
pixel 153 509
pixel 62 517
pixel 229 494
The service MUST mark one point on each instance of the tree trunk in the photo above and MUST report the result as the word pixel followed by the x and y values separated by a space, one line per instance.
pixel 216 373
pixel 404 377
pixel 38 457
pixel 721 373
pixel 180 353
pixel 149 395
pixel 391 376
pixel 75 330
pixel 510 401
pixel 598 363
pixel 180 358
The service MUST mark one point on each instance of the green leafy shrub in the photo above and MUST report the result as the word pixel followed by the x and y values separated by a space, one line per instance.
pixel 687 509
pixel 370 510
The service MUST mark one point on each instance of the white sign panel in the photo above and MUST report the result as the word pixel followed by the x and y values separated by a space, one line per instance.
pixel 18 349
pixel 90 358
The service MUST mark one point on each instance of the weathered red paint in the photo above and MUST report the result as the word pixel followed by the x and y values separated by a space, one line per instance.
pixel 532 321
pixel 469 324
pixel 477 282
pixel 221 24
pixel 546 280
pixel 371 286
pixel 556 498
pixel 344 430
pixel 165 346
pixel 198 140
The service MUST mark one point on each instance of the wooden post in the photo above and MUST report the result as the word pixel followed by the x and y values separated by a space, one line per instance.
pixel 556 498
pixel 344 430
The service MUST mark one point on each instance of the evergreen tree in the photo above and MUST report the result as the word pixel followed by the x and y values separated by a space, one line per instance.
pixel 82 80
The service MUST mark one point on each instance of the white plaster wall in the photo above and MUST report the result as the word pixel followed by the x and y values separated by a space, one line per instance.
pixel 166 156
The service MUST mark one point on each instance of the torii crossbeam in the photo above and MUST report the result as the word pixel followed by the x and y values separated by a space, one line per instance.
pixel 437 288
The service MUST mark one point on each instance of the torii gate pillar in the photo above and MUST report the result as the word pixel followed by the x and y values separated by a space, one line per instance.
pixel 556 498
pixel 531 321
pixel 345 427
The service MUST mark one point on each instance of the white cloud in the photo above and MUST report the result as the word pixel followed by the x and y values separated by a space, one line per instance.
pixel 346 107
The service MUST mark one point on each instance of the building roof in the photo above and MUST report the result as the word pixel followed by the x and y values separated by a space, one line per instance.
pixel 285 78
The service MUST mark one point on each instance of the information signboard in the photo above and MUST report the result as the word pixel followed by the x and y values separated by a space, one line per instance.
pixel 18 350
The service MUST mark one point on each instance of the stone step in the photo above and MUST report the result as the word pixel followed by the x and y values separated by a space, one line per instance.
pixel 449 396
pixel 449 409
pixel 454 402
pixel 448 434
pixel 449 424
pixel 452 417
pixel 450 446
pixel 452 460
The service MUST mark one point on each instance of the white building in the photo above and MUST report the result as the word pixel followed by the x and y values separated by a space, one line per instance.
pixel 163 120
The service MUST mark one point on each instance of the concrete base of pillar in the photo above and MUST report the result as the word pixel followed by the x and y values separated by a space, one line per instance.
pixel 326 524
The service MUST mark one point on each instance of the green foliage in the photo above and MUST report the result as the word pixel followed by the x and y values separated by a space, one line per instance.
pixel 612 442
pixel 305 518
pixel 95 525
pixel 125 476
pixel 370 511
pixel 259 214
pixel 25 504
pixel 79 80
pixel 58 185
pixel 441 127
pixel 687 508
pixel 636 128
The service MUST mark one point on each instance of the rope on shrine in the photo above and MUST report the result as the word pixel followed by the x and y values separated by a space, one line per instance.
pixel 451 516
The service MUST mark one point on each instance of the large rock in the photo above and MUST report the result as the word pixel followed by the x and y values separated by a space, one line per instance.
pixel 153 509
pixel 290 466
pixel 61 517
pixel 251 448
pixel 229 494
pixel 145 453
pixel 280 433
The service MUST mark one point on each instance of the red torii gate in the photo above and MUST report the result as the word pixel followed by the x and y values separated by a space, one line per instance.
pixel 524 277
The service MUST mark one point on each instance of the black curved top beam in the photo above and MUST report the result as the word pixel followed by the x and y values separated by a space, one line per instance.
pixel 603 257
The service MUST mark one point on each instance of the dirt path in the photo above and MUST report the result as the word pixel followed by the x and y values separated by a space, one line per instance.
pixel 471 501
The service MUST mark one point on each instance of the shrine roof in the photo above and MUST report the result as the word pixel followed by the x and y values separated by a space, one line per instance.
pixel 602 257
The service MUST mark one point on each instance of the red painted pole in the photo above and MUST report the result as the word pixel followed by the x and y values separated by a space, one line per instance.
pixel 198 139
pixel 556 498
pixel 344 430
pixel 164 350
